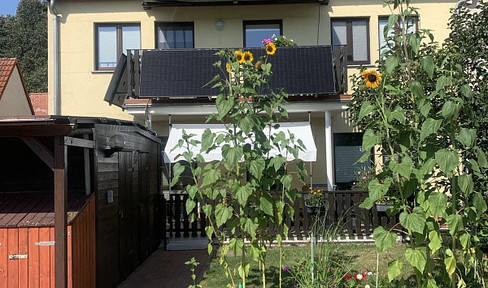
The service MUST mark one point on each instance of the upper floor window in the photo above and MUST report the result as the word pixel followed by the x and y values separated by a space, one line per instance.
pixel 256 31
pixel 412 26
pixel 114 39
pixel 353 32
pixel 175 35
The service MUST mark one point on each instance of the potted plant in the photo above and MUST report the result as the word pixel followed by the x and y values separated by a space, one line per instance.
pixel 314 200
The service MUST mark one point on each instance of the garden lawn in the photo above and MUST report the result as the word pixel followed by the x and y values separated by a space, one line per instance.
pixel 361 257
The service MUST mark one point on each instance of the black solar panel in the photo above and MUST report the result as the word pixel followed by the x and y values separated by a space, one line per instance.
pixel 184 73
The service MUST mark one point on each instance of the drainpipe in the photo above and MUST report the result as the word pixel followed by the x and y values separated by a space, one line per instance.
pixel 57 100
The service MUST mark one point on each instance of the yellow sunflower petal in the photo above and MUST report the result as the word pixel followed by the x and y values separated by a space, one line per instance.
pixel 270 48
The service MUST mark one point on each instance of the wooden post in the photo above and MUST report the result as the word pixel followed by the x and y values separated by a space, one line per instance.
pixel 60 195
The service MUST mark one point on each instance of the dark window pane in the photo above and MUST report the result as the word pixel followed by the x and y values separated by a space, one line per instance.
pixel 175 35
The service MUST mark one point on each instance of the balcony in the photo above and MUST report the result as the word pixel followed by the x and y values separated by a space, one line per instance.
pixel 183 73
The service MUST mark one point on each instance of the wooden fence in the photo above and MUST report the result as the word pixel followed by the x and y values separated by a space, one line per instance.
pixel 341 210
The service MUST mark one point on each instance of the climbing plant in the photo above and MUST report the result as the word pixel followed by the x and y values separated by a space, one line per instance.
pixel 417 111
pixel 249 189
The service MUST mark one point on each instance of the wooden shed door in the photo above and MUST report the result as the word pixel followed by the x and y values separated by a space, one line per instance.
pixel 144 221
pixel 129 212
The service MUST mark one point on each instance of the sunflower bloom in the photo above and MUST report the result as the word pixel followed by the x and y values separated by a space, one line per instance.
pixel 259 65
pixel 270 48
pixel 240 57
pixel 227 66
pixel 372 78
pixel 248 56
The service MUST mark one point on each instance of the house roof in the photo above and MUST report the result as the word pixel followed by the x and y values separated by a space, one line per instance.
pixel 7 67
pixel 39 102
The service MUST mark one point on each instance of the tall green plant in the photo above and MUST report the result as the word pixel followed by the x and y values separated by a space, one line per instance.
pixel 417 112
pixel 248 189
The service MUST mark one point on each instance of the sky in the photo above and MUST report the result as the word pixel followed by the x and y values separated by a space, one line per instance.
pixel 8 7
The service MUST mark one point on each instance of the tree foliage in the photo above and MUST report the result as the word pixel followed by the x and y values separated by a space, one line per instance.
pixel 24 37
pixel 422 117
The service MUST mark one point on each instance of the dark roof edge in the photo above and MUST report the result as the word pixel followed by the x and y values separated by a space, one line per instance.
pixel 184 3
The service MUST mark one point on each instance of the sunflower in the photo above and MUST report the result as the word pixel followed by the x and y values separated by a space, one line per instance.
pixel 227 66
pixel 259 65
pixel 248 56
pixel 270 48
pixel 240 57
pixel 372 78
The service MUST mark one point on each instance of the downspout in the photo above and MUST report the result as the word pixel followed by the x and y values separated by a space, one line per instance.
pixel 56 96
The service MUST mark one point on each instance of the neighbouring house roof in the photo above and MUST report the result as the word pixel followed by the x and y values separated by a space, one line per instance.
pixel 39 102
pixel 7 68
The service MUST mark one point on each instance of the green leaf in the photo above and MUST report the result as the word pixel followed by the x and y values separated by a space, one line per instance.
pixel 190 205
pixel 425 108
pixel 464 239
pixel 366 108
pixel 266 205
pixel 377 189
pixel 430 126
pixel 414 221
pixel 467 137
pixel 431 283
pixel 391 63
pixel 383 239
pixel 447 160
pixel 256 167
pixel 417 89
pixel 479 204
pixel 367 203
pixel 394 269
pixel 243 193
pixel 277 162
pixel 404 168
pixel 207 139
pixel 286 181
pixel 222 214
pixel 232 155
pixel 465 183
pixel 435 241
pixel 417 258
pixel 450 263
pixel 450 110
pixel 224 106
pixel 210 176
pixel 177 170
pixel 250 227
pixel 398 115
pixel 455 223
pixel 437 204
pixel 428 65
pixel 243 270
pixel 370 139
pixel 482 162
pixel 442 82
pixel 414 42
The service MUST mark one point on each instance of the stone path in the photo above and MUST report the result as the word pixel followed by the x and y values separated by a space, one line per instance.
pixel 167 269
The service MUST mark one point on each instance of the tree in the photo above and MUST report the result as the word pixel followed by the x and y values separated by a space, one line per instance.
pixel 24 37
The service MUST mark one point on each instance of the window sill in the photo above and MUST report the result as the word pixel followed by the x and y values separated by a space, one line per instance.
pixel 102 71
pixel 361 65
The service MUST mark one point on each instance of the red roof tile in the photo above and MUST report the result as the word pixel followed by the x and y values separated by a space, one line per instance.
pixel 7 66
pixel 39 103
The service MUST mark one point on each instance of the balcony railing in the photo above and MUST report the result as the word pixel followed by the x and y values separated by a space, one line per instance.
pixel 184 73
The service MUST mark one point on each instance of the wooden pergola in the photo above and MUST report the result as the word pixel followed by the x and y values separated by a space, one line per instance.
pixel 62 130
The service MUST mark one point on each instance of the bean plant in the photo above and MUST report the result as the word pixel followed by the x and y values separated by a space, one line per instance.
pixel 417 111
pixel 249 190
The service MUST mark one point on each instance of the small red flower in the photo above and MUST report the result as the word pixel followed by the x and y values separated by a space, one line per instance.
pixel 347 277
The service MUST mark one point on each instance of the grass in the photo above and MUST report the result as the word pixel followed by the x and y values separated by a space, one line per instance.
pixel 361 257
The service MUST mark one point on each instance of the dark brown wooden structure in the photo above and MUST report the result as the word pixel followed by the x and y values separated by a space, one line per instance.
pixel 95 180
pixel 341 210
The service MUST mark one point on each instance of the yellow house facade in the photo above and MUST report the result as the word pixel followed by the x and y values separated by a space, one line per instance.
pixel 92 34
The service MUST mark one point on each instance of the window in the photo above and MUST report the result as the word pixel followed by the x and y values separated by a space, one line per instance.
pixel 355 34
pixel 256 31
pixel 175 35
pixel 348 150
pixel 114 39
pixel 412 26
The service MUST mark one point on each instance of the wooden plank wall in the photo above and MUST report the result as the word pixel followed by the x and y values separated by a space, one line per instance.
pixel 83 247
pixel 37 270
pixel 132 175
